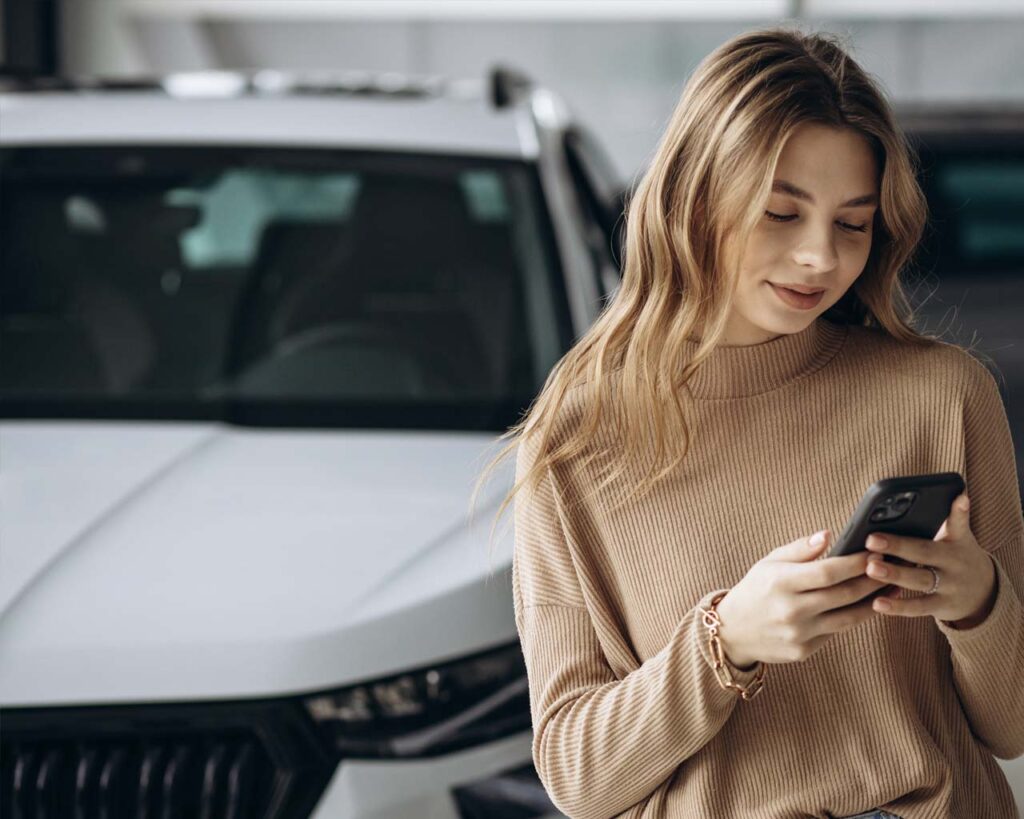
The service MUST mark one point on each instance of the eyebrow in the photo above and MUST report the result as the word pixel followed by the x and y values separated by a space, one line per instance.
pixel 782 186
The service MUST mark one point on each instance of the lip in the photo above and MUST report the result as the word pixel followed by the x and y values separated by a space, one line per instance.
pixel 800 301
pixel 807 290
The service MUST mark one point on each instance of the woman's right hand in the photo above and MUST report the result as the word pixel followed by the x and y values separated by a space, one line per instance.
pixel 789 604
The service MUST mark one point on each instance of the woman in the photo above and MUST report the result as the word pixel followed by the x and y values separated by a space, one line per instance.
pixel 710 415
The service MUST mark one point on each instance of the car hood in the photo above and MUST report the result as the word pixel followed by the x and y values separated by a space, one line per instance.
pixel 146 561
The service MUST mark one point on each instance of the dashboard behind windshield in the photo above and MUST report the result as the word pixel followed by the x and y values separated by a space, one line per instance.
pixel 275 286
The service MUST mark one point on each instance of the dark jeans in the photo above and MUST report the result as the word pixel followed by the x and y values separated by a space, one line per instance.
pixel 872 814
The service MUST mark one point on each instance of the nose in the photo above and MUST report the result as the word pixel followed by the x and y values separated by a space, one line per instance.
pixel 816 248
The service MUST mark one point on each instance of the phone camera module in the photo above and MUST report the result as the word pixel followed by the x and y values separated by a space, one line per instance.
pixel 893 507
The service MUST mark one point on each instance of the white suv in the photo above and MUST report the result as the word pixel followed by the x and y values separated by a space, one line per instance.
pixel 258 334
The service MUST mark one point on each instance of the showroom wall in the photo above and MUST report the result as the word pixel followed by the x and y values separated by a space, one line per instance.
pixel 621 72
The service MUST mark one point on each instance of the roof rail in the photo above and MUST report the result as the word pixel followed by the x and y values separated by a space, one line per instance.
pixel 505 84
pixel 232 83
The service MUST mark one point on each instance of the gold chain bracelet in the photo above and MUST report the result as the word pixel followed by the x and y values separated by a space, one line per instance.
pixel 712 621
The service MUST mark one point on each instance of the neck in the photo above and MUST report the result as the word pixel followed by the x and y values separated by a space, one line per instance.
pixel 736 371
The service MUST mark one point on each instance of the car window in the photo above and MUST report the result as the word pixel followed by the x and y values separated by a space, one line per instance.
pixel 278 286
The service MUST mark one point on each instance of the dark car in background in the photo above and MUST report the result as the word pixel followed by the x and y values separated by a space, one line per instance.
pixel 970 268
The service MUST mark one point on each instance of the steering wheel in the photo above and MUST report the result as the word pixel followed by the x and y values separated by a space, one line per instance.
pixel 325 335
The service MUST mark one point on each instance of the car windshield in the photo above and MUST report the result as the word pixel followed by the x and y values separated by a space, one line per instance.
pixel 275 286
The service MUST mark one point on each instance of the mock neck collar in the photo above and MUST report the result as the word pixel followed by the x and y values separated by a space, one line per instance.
pixel 735 372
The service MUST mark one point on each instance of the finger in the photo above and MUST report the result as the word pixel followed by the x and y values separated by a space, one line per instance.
pixel 888 591
pixel 958 524
pixel 843 619
pixel 823 573
pixel 802 549
pixel 911 549
pixel 904 607
pixel 907 577
pixel 843 594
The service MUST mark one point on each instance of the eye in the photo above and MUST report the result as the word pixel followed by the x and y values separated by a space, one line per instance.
pixel 775 217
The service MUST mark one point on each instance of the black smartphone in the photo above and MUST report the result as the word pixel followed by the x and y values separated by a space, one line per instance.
pixel 912 505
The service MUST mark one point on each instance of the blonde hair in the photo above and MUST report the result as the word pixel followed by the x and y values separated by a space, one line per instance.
pixel 707 182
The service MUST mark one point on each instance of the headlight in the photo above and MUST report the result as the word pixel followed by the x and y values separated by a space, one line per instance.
pixel 431 711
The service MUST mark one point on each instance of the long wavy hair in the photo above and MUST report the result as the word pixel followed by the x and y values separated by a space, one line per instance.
pixel 688 221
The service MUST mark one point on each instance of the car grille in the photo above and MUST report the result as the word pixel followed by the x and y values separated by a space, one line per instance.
pixel 197 761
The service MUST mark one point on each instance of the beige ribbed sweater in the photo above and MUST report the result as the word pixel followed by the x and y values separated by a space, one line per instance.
pixel 901 713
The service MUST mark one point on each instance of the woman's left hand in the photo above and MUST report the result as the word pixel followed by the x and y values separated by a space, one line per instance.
pixel 967 575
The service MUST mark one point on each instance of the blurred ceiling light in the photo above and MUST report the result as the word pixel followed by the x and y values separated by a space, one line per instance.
pixel 204 83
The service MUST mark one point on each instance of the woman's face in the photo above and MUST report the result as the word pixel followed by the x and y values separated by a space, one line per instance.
pixel 822 242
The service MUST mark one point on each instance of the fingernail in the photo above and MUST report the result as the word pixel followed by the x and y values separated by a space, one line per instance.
pixel 882 604
pixel 965 503
pixel 818 538
pixel 877 542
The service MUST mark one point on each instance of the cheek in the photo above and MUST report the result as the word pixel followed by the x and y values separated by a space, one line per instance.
pixel 762 254
pixel 852 260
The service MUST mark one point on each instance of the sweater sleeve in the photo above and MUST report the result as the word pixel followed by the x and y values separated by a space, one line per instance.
pixel 602 743
pixel 988 659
